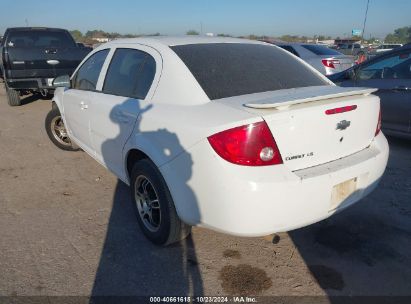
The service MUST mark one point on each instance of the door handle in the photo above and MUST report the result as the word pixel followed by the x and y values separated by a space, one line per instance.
pixel 402 88
pixel 83 105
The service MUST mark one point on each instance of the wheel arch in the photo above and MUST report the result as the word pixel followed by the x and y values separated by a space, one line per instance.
pixel 132 156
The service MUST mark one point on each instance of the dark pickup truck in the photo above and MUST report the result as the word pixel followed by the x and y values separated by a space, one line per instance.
pixel 30 58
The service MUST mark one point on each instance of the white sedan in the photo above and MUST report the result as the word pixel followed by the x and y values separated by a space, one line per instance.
pixel 238 136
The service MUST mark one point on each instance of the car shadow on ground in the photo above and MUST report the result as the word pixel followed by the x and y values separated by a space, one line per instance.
pixel 130 265
pixel 366 250
pixel 27 99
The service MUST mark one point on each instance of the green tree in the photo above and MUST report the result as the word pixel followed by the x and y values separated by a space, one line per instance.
pixel 77 35
pixel 192 32
pixel 400 35
pixel 96 34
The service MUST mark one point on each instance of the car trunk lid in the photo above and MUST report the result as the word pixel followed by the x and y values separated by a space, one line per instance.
pixel 339 63
pixel 305 134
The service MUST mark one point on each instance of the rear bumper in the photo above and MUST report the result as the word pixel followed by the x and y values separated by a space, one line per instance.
pixel 29 83
pixel 250 201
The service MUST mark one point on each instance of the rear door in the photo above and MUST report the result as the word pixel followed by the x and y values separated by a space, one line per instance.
pixel 392 76
pixel 125 94
pixel 77 100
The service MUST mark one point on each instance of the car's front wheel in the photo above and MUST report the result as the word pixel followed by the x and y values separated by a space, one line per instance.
pixel 57 131
pixel 154 206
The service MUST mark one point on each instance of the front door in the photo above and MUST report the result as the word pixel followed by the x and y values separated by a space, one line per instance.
pixel 77 100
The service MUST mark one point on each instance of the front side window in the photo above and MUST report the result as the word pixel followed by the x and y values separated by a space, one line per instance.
pixel 87 76
pixel 393 67
pixel 130 74
pixel 233 69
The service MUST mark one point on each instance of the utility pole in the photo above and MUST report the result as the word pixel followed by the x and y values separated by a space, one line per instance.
pixel 27 22
pixel 365 21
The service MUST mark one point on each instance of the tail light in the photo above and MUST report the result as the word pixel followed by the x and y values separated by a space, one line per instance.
pixel 330 63
pixel 378 130
pixel 248 145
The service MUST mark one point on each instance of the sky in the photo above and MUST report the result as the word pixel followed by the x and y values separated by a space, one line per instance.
pixel 235 17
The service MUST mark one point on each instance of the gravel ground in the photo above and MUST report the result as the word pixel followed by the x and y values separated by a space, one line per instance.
pixel 67 228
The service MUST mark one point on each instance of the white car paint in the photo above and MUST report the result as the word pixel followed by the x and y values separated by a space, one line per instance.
pixel 172 123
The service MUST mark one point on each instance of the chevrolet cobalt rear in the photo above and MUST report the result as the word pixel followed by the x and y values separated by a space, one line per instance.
pixel 234 135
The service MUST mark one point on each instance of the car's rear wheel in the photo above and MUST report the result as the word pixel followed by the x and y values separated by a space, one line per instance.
pixel 13 97
pixel 154 206
pixel 57 131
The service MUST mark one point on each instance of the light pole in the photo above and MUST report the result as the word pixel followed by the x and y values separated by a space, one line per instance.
pixel 365 21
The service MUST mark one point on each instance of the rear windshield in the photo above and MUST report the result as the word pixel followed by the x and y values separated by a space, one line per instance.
pixel 320 50
pixel 233 69
pixel 40 38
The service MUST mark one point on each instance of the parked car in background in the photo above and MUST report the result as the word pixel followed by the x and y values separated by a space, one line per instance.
pixel 383 48
pixel 235 135
pixel 390 73
pixel 31 57
pixel 82 45
pixel 351 49
pixel 322 58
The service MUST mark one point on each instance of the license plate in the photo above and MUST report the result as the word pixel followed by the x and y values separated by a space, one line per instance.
pixel 50 81
pixel 342 191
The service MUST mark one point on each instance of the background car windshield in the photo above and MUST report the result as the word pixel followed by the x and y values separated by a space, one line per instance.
pixel 40 38
pixel 233 69
pixel 290 49
pixel 397 66
pixel 320 50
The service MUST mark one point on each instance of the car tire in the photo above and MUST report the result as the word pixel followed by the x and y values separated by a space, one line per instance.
pixel 13 97
pixel 57 132
pixel 154 206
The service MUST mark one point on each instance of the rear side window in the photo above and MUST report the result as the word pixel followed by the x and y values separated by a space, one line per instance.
pixel 320 50
pixel 233 69
pixel 87 76
pixel 130 74
pixel 40 38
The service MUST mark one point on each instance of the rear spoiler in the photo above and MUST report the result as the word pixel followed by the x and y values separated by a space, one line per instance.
pixel 282 99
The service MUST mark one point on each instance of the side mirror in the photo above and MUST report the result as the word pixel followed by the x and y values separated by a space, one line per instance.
pixel 62 81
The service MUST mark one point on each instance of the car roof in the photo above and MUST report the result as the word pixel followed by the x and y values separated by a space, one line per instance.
pixel 181 40
pixel 34 28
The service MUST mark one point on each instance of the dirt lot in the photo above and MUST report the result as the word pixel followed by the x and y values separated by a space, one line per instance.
pixel 67 228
